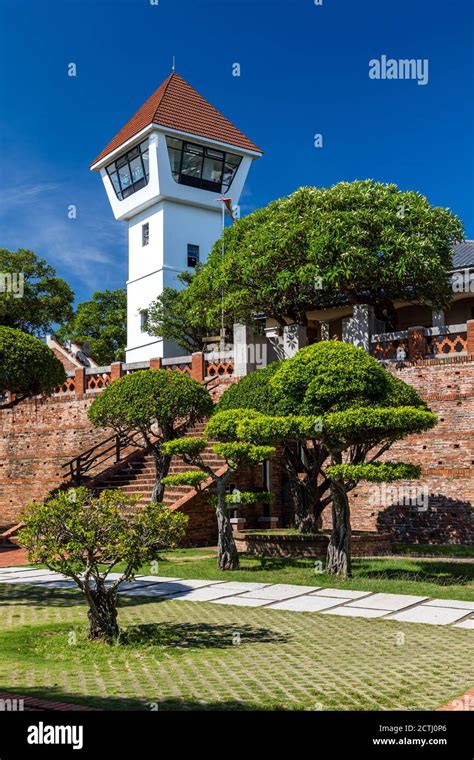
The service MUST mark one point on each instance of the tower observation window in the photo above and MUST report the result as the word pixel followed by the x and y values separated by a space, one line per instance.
pixel 130 172
pixel 198 166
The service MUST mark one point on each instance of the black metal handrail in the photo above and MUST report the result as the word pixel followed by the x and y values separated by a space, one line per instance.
pixel 79 466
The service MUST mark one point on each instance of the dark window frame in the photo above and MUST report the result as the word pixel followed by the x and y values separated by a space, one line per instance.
pixel 204 152
pixel 125 160
pixel 144 321
pixel 193 255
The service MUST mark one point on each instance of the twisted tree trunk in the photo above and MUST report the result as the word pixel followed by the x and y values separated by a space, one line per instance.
pixel 306 491
pixel 227 554
pixel 339 549
pixel 306 497
pixel 162 466
pixel 102 613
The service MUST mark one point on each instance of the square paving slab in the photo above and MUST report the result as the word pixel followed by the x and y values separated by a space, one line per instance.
pixel 280 591
pixel 138 587
pixel 430 615
pixel 238 586
pixel 341 593
pixel 241 601
pixel 32 579
pixel 28 573
pixel 452 604
pixel 201 595
pixel 347 611
pixel 157 579
pixel 150 589
pixel 466 624
pixel 389 602
pixel 306 604
pixel 187 585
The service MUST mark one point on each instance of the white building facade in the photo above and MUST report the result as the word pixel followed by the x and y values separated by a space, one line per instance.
pixel 165 173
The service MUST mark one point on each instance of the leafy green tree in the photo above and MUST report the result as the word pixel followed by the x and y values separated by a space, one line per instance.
pixel 222 427
pixel 177 316
pixel 155 406
pixel 27 366
pixel 304 457
pixel 355 242
pixel 85 537
pixel 44 299
pixel 102 324
pixel 342 409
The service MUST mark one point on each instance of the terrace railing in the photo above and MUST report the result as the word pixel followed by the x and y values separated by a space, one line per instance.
pixel 201 367
pixel 419 343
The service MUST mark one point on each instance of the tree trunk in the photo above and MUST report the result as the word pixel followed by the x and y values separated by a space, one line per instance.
pixel 227 554
pixel 305 519
pixel 102 614
pixel 162 466
pixel 339 549
pixel 305 493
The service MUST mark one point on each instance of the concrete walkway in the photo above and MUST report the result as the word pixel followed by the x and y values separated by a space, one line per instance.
pixel 328 601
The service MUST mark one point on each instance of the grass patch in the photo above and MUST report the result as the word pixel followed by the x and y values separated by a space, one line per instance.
pixel 428 550
pixel 395 575
pixel 187 656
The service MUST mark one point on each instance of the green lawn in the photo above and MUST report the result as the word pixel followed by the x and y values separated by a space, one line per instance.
pixel 433 550
pixel 185 655
pixel 397 575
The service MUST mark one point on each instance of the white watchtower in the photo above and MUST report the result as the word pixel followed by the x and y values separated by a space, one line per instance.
pixel 163 173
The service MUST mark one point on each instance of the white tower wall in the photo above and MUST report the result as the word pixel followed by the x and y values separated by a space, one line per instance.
pixel 172 226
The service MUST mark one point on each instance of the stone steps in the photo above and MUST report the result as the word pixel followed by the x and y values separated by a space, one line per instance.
pixel 138 475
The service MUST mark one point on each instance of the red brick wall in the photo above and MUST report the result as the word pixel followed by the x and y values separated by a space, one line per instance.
pixel 36 437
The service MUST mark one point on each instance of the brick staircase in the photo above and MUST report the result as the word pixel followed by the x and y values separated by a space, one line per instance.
pixel 136 475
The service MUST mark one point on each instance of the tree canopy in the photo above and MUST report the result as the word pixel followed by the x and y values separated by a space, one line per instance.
pixel 85 537
pixel 155 406
pixel 325 376
pixel 102 324
pixel 46 299
pixel 177 315
pixel 27 366
pixel 354 242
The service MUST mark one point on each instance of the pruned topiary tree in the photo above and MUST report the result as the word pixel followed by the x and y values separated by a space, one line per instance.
pixel 27 366
pixel 345 411
pixel 223 428
pixel 156 406
pixel 85 537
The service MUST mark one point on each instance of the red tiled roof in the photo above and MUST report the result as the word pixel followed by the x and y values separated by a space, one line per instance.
pixel 177 105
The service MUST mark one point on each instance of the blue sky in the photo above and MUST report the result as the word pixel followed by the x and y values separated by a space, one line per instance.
pixel 304 70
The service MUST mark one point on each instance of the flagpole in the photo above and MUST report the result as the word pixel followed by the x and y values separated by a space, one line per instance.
pixel 222 296
pixel 225 205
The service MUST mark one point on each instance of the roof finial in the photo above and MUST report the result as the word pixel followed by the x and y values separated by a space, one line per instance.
pixel 174 63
